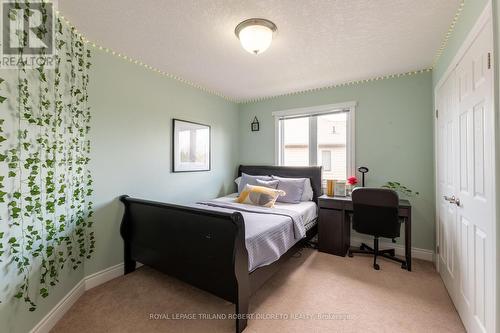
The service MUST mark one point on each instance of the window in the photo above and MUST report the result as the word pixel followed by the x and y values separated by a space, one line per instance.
pixel 317 136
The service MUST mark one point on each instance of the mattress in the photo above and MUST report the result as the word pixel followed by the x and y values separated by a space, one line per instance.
pixel 308 210
pixel 268 237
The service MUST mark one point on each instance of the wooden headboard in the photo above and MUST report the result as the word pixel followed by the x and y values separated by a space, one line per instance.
pixel 313 173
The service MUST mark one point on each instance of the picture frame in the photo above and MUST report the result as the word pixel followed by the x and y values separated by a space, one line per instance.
pixel 191 146
pixel 339 188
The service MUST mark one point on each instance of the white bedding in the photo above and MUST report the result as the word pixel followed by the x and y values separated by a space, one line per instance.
pixel 308 210
pixel 268 236
pixel 269 232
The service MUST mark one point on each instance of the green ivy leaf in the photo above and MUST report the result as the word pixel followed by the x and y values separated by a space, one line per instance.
pixel 2 99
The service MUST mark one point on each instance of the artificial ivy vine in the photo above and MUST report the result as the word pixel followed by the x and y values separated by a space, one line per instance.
pixel 47 185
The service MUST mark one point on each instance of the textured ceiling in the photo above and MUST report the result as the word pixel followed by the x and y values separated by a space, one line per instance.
pixel 318 43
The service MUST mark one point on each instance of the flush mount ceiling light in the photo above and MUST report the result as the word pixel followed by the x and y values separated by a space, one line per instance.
pixel 255 34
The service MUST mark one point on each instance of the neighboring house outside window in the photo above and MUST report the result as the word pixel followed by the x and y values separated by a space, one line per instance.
pixel 326 160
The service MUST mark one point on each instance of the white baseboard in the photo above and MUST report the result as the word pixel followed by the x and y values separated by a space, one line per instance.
pixel 88 282
pixel 103 276
pixel 416 252
pixel 50 320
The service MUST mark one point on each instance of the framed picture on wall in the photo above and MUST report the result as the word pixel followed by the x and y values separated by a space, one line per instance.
pixel 190 146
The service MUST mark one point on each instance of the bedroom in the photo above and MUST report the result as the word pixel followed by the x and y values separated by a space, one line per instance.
pixel 361 82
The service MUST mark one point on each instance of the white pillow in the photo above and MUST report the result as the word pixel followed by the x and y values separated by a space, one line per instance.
pixel 308 193
pixel 250 179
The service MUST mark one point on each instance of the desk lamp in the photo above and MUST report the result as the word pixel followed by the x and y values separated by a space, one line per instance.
pixel 363 170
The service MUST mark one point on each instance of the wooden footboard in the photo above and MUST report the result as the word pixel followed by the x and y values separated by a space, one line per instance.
pixel 201 247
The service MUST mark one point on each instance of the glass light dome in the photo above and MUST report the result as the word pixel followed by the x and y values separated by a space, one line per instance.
pixel 255 35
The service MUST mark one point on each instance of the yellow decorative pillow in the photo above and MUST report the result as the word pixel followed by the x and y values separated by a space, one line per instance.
pixel 259 196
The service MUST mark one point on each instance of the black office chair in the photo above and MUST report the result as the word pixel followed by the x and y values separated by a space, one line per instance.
pixel 375 212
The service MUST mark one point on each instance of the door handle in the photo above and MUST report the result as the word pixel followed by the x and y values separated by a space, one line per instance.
pixel 452 200
pixel 449 199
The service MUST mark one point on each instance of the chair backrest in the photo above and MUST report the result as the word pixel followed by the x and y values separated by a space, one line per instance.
pixel 375 212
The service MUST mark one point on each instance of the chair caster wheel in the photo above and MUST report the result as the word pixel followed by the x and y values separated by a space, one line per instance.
pixel 376 267
pixel 403 266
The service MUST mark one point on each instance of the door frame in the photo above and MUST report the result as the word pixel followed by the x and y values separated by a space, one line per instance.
pixel 486 15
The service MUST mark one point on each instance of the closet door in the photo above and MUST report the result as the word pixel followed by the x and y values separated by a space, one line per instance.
pixel 466 203
pixel 447 183
pixel 474 202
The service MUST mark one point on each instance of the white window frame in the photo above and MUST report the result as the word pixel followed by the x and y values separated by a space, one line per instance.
pixel 350 107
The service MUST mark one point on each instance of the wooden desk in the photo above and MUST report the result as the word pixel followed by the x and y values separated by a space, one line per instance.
pixel 334 226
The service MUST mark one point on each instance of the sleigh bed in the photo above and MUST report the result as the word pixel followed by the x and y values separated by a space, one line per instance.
pixel 205 247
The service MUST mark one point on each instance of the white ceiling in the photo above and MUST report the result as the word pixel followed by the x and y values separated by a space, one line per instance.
pixel 318 43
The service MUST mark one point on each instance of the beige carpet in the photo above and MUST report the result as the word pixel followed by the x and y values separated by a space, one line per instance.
pixel 348 294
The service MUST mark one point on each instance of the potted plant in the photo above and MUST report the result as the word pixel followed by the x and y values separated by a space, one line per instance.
pixel 400 189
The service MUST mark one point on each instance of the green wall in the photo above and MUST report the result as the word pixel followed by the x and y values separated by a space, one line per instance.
pixel 14 314
pixel 132 112
pixel 394 137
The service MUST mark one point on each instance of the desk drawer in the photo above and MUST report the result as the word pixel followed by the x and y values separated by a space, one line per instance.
pixel 328 203
pixel 404 212
pixel 333 232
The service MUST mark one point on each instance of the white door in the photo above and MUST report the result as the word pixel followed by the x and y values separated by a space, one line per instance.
pixel 447 107
pixel 466 185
